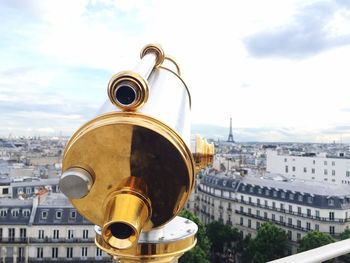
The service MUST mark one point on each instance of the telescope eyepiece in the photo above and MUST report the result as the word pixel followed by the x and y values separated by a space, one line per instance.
pixel 121 230
pixel 125 94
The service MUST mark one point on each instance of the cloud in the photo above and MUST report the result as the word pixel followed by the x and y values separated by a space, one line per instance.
pixel 311 32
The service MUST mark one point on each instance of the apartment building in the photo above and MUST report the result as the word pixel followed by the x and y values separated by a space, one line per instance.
pixel 295 206
pixel 320 167
pixel 46 229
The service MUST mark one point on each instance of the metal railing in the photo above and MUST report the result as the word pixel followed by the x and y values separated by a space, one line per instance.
pixel 319 254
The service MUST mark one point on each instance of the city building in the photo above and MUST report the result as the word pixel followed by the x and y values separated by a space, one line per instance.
pixel 295 206
pixel 310 166
pixel 46 228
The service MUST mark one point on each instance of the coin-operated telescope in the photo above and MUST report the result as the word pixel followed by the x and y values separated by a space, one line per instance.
pixel 130 170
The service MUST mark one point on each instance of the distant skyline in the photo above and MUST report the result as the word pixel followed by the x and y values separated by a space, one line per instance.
pixel 278 68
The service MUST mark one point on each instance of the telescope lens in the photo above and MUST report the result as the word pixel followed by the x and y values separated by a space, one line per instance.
pixel 121 231
pixel 125 95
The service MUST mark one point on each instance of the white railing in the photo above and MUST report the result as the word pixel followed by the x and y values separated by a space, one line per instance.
pixel 319 254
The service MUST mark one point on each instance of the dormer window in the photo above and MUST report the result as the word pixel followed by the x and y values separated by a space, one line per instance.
pixel 44 214
pixel 3 212
pixel 26 212
pixel 15 212
pixel 251 189
pixel 59 214
pixel 224 183
pixel 330 202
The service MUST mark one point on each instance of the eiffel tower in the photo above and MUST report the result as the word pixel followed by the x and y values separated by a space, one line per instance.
pixel 230 135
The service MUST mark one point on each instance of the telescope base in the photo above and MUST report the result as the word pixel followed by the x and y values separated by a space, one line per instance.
pixel 162 245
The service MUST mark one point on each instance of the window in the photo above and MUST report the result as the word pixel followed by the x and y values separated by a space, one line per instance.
pixel 286 169
pixel 249 211
pixel 22 233
pixel 330 202
pixel 291 196
pixel 258 201
pixel 258 213
pixel 282 206
pixel 300 198
pixel 70 234
pixel 84 251
pixel 56 234
pixel 317 227
pixel 283 194
pixel 325 162
pixel 44 214
pixel 243 188
pixel 41 234
pixel 298 223
pixel 275 193
pixel 11 232
pixel 39 252
pixel 313 162
pixel 0 234
pixel 98 252
pixel 5 191
pixel 290 209
pixel 281 219
pixel 54 252
pixel 273 205
pixel 309 199
pixel 293 168
pixel 299 210
pixel 241 208
pixel 313 170
pixel 289 235
pixel 305 170
pixel 333 163
pixel 331 215
pixel 242 198
pixel 325 172
pixel 266 203
pixel 347 173
pixel 267 192
pixel 259 191
pixel 308 226
pixel 241 221
pixel 251 189
pixel 250 200
pixel 273 217
pixel 290 221
pixel 333 172
pixel 249 223
pixel 26 212
pixel 317 212
pixel 85 233
pixel 331 230
pixel 3 212
pixel 265 215
pixel 15 212
pixel 69 252
pixel 58 214
pixel 72 214
pixel 308 212
pixel 285 160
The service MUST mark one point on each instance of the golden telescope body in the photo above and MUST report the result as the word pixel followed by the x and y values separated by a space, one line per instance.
pixel 130 170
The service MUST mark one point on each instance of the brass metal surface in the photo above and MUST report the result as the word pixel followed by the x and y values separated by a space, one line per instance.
pixel 203 153
pixel 160 245
pixel 134 80
pixel 121 145
pixel 154 48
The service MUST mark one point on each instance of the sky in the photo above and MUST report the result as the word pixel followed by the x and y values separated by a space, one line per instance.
pixel 278 68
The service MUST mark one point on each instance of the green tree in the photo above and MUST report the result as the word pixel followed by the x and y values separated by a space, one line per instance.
pixel 200 253
pixel 343 236
pixel 221 236
pixel 314 239
pixel 270 243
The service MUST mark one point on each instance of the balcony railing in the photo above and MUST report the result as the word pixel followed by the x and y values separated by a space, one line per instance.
pixel 319 254
pixel 86 260
pixel 284 224
pixel 61 240
pixel 17 240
